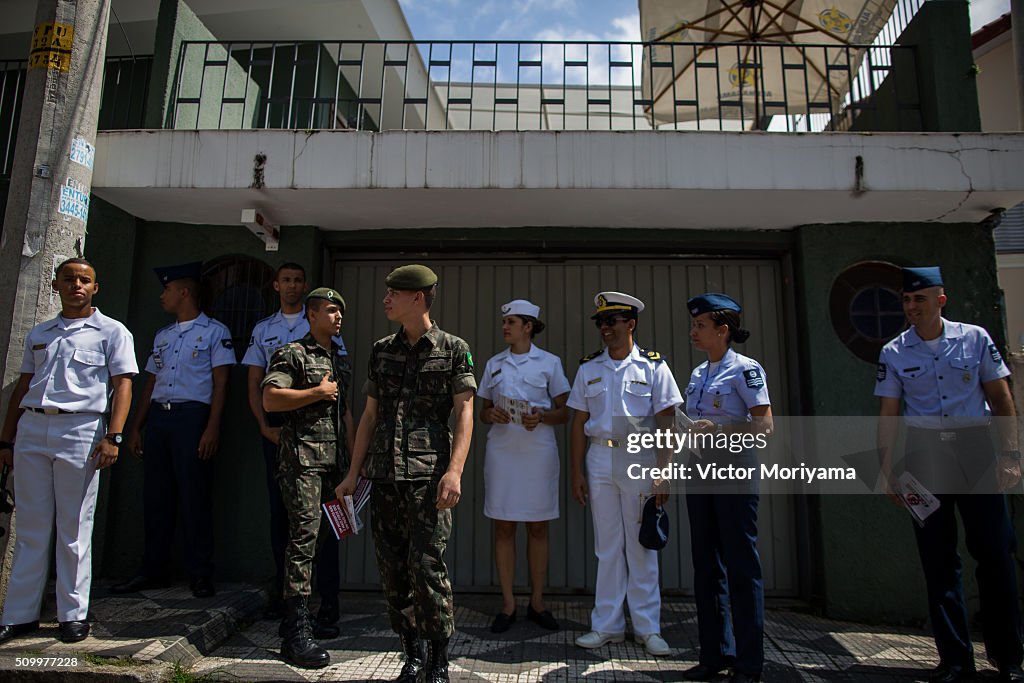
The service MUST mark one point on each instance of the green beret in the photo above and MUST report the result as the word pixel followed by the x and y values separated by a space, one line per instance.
pixel 327 294
pixel 413 276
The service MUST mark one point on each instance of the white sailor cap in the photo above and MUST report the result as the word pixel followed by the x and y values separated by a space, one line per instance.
pixel 616 301
pixel 521 307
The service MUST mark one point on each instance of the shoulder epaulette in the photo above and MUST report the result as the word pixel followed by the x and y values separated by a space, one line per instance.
pixel 165 327
pixel 652 356
pixel 591 356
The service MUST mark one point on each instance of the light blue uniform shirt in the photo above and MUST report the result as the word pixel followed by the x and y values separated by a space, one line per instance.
pixel 944 383
pixel 270 334
pixel 72 361
pixel 183 360
pixel 726 394
pixel 610 390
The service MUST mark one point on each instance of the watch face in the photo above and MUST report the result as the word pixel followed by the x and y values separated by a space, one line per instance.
pixel 116 439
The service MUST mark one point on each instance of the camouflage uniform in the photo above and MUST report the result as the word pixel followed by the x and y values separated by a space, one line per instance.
pixel 408 454
pixel 311 454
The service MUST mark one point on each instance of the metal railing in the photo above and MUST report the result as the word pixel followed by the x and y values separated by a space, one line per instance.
pixel 540 85
pixel 122 102
pixel 12 88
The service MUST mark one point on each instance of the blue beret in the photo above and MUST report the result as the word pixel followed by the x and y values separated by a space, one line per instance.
pixel 654 526
pixel 712 301
pixel 192 271
pixel 921 278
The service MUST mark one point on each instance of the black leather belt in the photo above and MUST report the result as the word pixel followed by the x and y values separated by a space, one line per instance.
pixel 54 411
pixel 179 405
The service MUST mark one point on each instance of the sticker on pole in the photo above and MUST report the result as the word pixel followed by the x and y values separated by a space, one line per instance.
pixel 82 153
pixel 74 201
pixel 51 47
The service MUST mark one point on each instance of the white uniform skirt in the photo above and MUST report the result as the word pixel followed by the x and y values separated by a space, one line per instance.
pixel 521 471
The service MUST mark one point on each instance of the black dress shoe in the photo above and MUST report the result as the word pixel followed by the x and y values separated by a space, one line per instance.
pixel 73 631
pixel 543 619
pixel 502 622
pixel 704 672
pixel 740 677
pixel 9 631
pixel 948 673
pixel 202 587
pixel 1013 674
pixel 139 582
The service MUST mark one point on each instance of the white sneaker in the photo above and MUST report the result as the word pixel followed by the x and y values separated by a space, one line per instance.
pixel 655 644
pixel 597 639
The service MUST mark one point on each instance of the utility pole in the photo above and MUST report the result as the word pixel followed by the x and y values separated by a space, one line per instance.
pixel 48 200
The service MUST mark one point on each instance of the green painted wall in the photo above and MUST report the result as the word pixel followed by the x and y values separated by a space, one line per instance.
pixel 939 63
pixel 176 23
pixel 240 508
pixel 865 573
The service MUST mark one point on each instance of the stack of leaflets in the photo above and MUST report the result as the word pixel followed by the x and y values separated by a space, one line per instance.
pixel 344 514
pixel 514 407
pixel 919 500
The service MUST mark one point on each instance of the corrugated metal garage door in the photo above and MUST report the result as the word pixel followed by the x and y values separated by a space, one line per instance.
pixel 471 289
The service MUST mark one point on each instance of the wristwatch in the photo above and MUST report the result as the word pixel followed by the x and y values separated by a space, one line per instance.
pixel 115 438
pixel 6 445
pixel 1012 454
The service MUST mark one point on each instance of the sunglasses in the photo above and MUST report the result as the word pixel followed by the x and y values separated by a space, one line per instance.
pixel 609 321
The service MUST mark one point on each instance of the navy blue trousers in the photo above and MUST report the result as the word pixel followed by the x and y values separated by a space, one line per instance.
pixel 988 534
pixel 175 476
pixel 328 571
pixel 728 586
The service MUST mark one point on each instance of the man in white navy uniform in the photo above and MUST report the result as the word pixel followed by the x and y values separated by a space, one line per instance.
pixel 63 424
pixel 181 406
pixel 951 379
pixel 618 382
pixel 288 324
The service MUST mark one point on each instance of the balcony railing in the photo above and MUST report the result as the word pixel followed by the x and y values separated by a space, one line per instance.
pixel 12 88
pixel 122 103
pixel 540 85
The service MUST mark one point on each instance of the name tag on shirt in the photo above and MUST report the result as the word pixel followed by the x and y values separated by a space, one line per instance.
pixel 594 381
pixel 38 347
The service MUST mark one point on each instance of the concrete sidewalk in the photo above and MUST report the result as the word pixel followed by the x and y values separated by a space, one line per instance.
pixel 155 635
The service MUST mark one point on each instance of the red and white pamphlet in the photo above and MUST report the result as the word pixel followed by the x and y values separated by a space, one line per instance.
pixel 343 515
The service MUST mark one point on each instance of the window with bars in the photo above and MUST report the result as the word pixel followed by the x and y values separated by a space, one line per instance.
pixel 866 307
pixel 238 291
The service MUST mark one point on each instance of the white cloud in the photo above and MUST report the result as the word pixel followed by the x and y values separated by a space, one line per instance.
pixel 625 28
pixel 984 11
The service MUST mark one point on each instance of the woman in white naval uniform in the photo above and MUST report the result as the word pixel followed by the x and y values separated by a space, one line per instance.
pixel 521 467
pixel 727 392
pixel 619 382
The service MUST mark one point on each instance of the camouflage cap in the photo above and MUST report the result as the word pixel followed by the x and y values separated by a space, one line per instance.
pixel 327 294
pixel 412 276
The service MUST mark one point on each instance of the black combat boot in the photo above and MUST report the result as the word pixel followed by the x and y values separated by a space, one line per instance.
pixel 437 661
pixel 298 646
pixel 413 649
pixel 326 627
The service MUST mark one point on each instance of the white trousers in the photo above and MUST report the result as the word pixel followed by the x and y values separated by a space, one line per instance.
pixel 54 482
pixel 626 571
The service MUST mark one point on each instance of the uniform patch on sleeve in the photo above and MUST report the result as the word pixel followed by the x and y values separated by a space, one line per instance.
pixel 881 373
pixel 252 340
pixel 753 378
pixel 227 344
pixel 469 358
pixel 994 352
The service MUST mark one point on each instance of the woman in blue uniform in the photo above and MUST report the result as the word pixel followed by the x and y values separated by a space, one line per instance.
pixel 727 394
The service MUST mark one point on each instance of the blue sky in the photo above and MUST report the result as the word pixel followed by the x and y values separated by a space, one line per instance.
pixel 559 19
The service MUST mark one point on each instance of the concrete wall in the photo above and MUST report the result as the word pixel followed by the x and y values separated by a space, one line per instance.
pixel 866 573
pixel 1011 280
pixel 125 256
pixel 997 86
